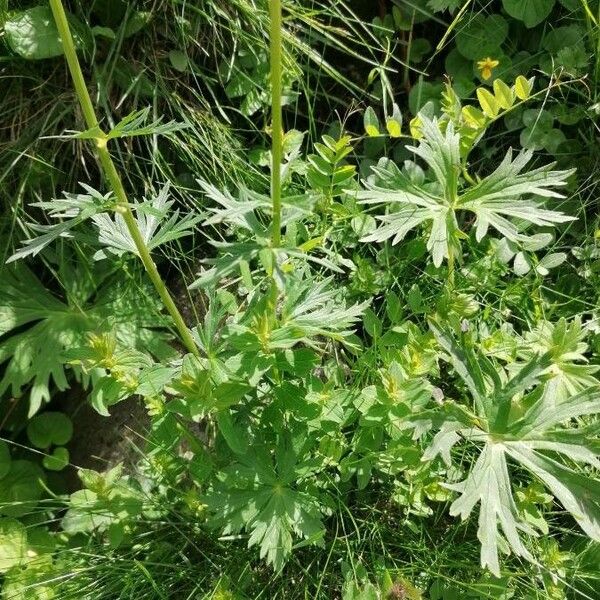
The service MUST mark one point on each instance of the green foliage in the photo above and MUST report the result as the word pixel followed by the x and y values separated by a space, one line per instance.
pixel 442 5
pixel 108 502
pixel 74 208
pixel 269 501
pixel 39 327
pixel 151 217
pixel 133 125
pixel 529 432
pixel 507 192
pixel 482 36
pixel 531 12
pixel 13 544
pixel 328 172
pixel 4 459
pixel 32 33
pixel 20 488
pixel 49 428
pixel 316 413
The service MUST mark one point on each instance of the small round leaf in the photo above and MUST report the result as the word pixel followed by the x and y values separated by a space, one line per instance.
pixel 50 428
pixel 56 461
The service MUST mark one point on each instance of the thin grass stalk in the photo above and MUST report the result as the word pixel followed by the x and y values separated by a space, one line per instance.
pixel 276 120
pixel 111 174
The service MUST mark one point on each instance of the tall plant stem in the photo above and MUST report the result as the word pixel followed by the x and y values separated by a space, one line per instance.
pixel 111 174
pixel 276 120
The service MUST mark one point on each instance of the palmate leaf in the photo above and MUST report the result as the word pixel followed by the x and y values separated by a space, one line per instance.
pixel 317 310
pixel 531 433
pixel 505 195
pixel 236 256
pixel 266 499
pixel 312 312
pixel 70 211
pixel 570 372
pixel 247 214
pixel 506 192
pixel 155 225
pixel 37 327
pixel 244 212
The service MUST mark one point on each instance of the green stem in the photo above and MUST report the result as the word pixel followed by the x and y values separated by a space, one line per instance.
pixel 111 174
pixel 276 120
pixel 450 267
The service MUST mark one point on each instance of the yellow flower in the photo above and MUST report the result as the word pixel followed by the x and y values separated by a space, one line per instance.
pixel 486 65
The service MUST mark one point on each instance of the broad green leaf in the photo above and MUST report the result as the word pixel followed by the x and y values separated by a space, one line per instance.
pixel 393 127
pixel 86 513
pixel 442 5
pixel 372 324
pixel 394 123
pixel 424 93
pixel 264 499
pixel 558 38
pixel 371 122
pixel 49 429
pixel 32 33
pixel 531 12
pixel 521 264
pixel 21 488
pixel 550 261
pixel 393 307
pixel 38 328
pixel 489 105
pixel 13 544
pixel 178 60
pixel 538 119
pixel 504 95
pixel 136 22
pixel 363 224
pixel 105 32
pixel 523 87
pixel 58 460
pixel 481 36
pixel 292 141
pixel 473 117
